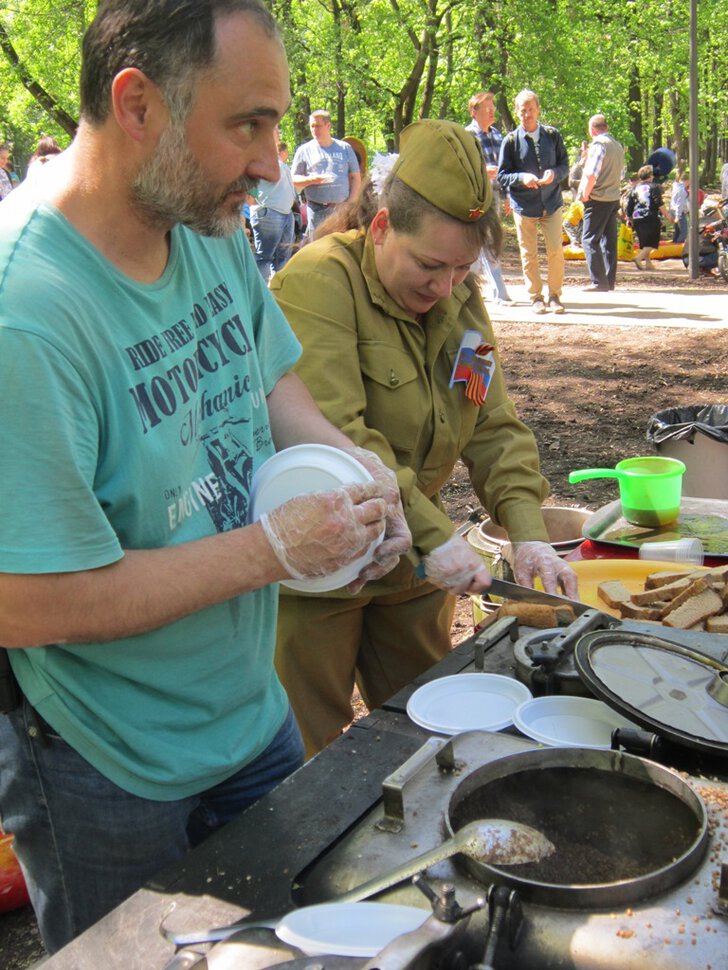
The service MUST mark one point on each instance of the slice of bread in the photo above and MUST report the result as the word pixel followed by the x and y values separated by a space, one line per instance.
pixel 664 593
pixel 693 610
pixel 717 572
pixel 634 611
pixel 665 577
pixel 690 592
pixel 717 624
pixel 538 614
pixel 613 592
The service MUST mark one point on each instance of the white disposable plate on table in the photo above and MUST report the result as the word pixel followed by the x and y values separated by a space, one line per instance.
pixel 348 929
pixel 467 702
pixel 298 471
pixel 564 721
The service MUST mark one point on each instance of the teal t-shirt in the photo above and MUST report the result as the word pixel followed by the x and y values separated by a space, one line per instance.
pixel 133 416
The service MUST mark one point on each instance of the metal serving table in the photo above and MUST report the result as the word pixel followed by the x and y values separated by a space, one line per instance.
pixel 249 867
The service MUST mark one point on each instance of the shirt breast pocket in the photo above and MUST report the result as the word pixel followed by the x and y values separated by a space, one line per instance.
pixel 398 398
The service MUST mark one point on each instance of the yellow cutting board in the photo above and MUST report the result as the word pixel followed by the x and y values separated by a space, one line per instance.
pixel 632 572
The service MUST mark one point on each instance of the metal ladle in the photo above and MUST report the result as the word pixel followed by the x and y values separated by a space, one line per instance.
pixel 494 841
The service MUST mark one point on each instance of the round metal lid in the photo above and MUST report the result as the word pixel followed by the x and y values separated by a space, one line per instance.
pixel 667 688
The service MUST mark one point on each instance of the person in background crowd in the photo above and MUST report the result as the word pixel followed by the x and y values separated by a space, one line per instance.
pixel 326 169
pixel 146 376
pixel 627 187
pixel 679 207
pixel 14 178
pixel 271 221
pixel 701 194
pixel 577 170
pixel 574 222
pixel 482 110
pixel 297 210
pixel 6 183
pixel 45 150
pixel 644 209
pixel 531 167
pixel 400 354
pixel 724 180
pixel 599 191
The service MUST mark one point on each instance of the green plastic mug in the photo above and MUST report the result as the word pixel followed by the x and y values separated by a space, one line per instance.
pixel 649 488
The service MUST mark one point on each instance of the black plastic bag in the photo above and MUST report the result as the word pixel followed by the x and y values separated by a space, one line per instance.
pixel 682 424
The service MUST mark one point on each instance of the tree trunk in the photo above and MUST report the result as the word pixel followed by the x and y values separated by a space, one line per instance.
pixel 710 162
pixel 636 151
pixel 680 145
pixel 44 99
pixel 658 139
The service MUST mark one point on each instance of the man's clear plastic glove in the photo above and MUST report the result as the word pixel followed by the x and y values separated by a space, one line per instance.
pixel 397 537
pixel 531 559
pixel 316 534
pixel 456 567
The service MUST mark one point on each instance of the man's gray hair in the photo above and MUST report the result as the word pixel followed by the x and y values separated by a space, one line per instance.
pixel 526 95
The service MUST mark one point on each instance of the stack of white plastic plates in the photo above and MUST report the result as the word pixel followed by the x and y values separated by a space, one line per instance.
pixel 467 702
pixel 298 471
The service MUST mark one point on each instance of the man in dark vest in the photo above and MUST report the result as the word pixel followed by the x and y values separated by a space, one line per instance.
pixel 531 167
pixel 599 191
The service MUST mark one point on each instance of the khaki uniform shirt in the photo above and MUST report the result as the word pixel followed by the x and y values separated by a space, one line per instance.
pixel 382 377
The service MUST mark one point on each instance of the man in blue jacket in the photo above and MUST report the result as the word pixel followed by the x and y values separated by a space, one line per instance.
pixel 532 164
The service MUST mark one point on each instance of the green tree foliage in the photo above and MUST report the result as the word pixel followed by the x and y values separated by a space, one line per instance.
pixel 39 53
pixel 377 65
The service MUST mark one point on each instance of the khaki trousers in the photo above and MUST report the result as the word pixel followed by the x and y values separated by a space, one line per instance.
pixel 527 232
pixel 382 643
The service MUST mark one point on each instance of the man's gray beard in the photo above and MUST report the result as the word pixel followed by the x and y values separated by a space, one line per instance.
pixel 172 188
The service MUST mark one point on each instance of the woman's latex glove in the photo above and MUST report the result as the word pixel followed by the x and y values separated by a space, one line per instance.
pixel 531 559
pixel 318 533
pixel 456 567
pixel 397 537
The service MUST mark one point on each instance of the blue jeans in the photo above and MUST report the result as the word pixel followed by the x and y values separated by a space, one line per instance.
pixel 85 844
pixel 272 239
pixel 599 241
pixel 680 231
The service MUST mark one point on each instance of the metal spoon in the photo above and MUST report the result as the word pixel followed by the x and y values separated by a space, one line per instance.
pixel 495 841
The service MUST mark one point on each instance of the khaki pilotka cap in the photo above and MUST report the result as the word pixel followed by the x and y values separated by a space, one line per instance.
pixel 443 163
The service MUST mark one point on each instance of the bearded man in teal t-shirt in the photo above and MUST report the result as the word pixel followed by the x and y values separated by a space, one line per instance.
pixel 146 375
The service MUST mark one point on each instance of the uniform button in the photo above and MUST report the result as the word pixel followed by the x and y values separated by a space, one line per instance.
pixel 442 416
pixel 393 379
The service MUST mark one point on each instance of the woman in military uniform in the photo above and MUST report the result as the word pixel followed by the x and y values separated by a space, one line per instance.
pixel 399 353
